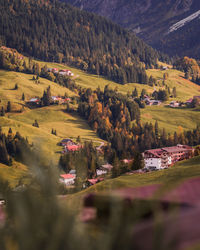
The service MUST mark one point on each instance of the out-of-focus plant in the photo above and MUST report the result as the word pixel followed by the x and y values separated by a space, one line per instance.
pixel 35 219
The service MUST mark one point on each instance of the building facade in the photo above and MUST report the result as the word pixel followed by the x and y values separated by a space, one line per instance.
pixel 167 156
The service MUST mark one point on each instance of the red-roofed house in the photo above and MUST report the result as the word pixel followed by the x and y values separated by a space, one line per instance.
pixel 93 181
pixel 53 70
pixel 34 101
pixel 67 179
pixel 66 72
pixel 72 148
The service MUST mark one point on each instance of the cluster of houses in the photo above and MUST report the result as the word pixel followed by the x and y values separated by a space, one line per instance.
pixel 161 158
pixel 149 102
pixel 69 179
pixel 173 104
pixel 176 104
pixel 63 72
pixel 35 101
pixel 154 159
pixel 70 146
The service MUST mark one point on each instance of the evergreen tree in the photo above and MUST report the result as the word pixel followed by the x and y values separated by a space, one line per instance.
pixel 116 166
pixel 8 109
pixel 78 139
pixel 168 90
pixel 138 161
pixel 46 99
pixel 16 86
pixel 135 93
pixel 2 111
pixel 4 157
pixel 156 129
pixel 143 93
pixel 65 162
pixel 35 124
pixel 174 92
pixel 187 75
pixel 48 96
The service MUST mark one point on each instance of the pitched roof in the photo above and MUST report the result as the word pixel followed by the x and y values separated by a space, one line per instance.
pixel 93 181
pixel 160 151
pixel 34 100
pixel 67 176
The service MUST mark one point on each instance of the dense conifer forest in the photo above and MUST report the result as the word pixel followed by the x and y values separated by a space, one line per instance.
pixel 55 31
pixel 14 146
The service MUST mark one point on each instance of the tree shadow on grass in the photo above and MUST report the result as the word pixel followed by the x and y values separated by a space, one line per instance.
pixel 79 124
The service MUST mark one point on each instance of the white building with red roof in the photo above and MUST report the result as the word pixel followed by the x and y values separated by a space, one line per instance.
pixel 164 157
pixel 67 179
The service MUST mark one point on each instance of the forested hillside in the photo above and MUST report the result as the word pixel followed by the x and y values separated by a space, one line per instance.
pixel 152 20
pixel 55 31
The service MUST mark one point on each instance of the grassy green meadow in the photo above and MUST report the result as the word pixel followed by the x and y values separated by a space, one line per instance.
pixel 66 125
pixel 26 85
pixel 13 174
pixel 172 119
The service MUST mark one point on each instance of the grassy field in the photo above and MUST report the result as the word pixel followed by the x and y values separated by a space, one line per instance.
pixel 168 178
pixel 13 174
pixel 185 88
pixel 66 125
pixel 26 85
pixel 172 119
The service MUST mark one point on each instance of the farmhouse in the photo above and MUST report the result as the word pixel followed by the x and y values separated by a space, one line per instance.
pixel 60 100
pixel 91 182
pixel 65 72
pixel 53 70
pixel 101 172
pixel 174 104
pixel 67 179
pixel 65 142
pixel 34 101
pixel 153 102
pixel 72 148
pixel 165 157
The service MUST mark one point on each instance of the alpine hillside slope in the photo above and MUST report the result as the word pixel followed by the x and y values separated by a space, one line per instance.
pixel 170 26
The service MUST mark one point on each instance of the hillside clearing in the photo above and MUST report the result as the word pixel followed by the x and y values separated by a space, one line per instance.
pixel 66 125
pixel 13 173
pixel 172 119
pixel 26 85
